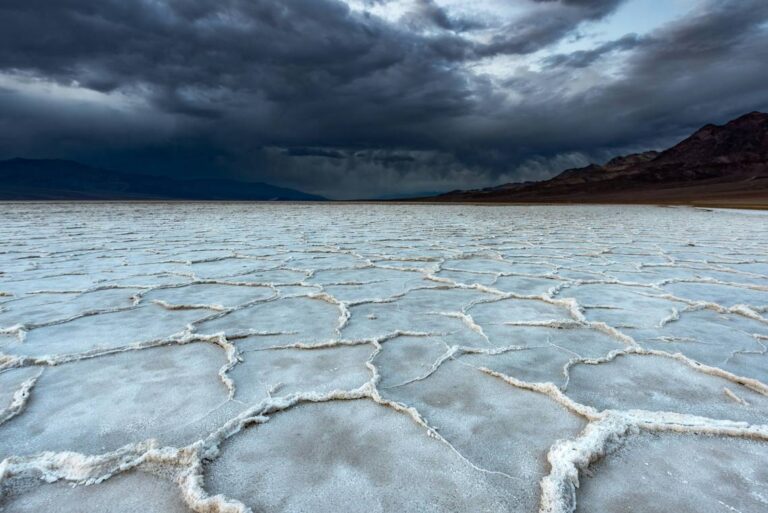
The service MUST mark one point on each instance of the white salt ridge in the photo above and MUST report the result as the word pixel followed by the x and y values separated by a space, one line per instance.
pixel 194 363
pixel 18 399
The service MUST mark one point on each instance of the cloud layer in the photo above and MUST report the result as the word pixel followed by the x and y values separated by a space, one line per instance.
pixel 369 97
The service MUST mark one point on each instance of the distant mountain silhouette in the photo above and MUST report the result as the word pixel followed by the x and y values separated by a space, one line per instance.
pixel 725 164
pixel 27 179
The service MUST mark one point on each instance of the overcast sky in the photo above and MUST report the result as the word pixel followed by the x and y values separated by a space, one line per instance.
pixel 366 98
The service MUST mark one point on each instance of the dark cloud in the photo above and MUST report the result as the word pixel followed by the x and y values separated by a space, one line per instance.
pixel 707 66
pixel 429 11
pixel 428 14
pixel 316 95
pixel 540 29
pixel 584 58
pixel 314 152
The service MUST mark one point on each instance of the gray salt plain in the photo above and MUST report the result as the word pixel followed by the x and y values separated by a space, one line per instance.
pixel 344 358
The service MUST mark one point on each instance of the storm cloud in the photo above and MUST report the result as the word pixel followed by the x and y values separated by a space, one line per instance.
pixel 366 98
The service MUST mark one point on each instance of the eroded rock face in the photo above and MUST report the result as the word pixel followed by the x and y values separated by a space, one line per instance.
pixel 716 163
pixel 240 358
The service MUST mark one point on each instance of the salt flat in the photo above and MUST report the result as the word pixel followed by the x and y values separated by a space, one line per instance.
pixel 344 358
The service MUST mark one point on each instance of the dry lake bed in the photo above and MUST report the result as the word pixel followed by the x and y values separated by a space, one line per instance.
pixel 172 358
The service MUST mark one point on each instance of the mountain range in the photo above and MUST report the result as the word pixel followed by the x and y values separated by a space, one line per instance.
pixel 719 165
pixel 35 179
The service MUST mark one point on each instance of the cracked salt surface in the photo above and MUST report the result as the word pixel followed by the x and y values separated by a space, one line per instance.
pixel 655 473
pixel 234 358
pixel 129 492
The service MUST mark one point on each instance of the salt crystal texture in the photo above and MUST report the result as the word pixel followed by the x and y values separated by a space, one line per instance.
pixel 235 358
